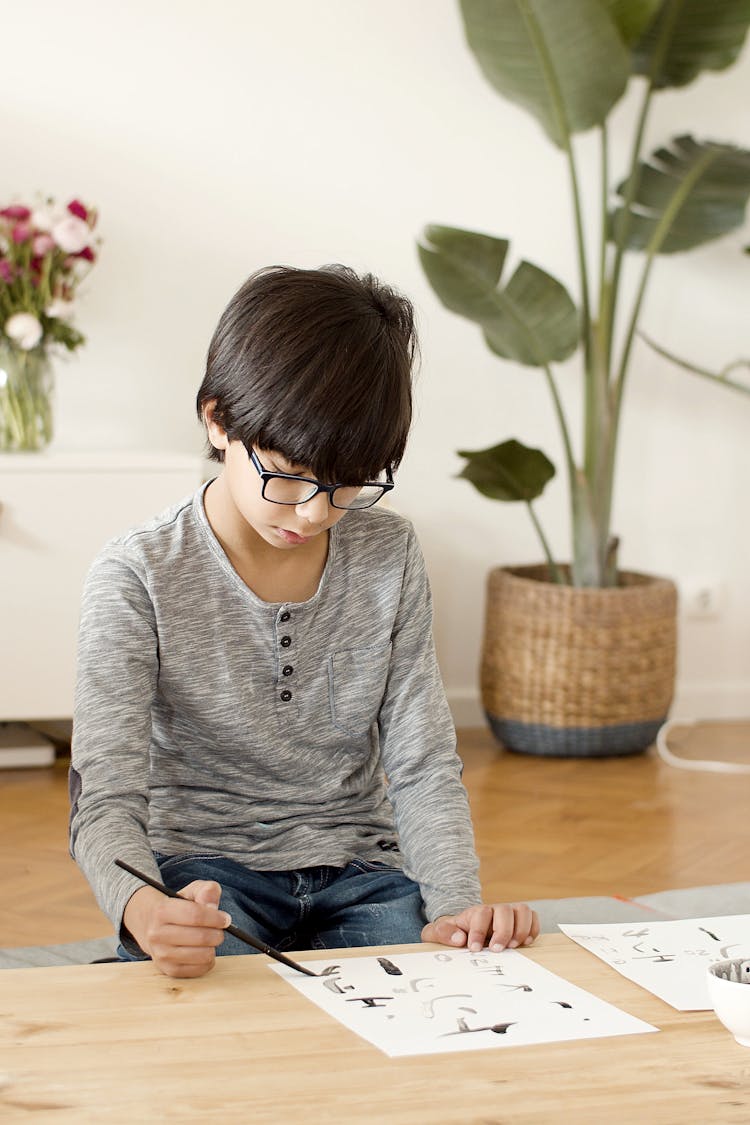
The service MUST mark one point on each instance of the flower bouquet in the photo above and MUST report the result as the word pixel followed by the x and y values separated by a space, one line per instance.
pixel 44 254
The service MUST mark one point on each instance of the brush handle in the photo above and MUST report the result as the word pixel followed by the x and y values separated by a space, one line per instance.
pixel 234 930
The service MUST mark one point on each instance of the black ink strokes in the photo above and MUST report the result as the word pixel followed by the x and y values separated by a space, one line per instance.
pixel 712 936
pixel 389 967
pixel 333 984
pixel 464 1029
pixel 329 969
pixel 562 1003
pixel 368 1001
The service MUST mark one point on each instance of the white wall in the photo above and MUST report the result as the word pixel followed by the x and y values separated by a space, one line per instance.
pixel 220 137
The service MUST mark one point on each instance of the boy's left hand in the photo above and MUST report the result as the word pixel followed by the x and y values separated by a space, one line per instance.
pixel 498 925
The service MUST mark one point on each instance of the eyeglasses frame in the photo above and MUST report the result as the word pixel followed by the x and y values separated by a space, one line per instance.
pixel 266 475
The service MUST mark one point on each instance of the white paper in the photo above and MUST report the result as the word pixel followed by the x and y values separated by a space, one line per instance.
pixel 668 958
pixel 433 1002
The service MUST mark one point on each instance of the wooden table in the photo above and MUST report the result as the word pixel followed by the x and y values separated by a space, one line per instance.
pixel 122 1043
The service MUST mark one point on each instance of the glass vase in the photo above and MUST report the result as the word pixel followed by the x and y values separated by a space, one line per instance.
pixel 26 386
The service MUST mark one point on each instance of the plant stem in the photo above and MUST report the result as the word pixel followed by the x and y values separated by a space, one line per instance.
pixel 25 410
pixel 557 574
pixel 655 243
pixel 721 377
pixel 634 175
pixel 663 227
pixel 558 105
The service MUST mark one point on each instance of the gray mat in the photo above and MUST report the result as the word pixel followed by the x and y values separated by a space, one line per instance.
pixel 702 902
pixel 73 953
pixel 691 902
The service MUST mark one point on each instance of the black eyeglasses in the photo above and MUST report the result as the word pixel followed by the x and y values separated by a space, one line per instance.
pixel 284 488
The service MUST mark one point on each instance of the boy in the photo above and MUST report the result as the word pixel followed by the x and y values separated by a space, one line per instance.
pixel 256 662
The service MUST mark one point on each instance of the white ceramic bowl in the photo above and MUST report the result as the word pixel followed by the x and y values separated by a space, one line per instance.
pixel 729 992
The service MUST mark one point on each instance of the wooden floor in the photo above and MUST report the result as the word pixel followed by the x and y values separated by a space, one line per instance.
pixel 544 828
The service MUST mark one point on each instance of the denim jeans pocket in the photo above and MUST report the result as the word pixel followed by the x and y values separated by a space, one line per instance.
pixel 167 862
pixel 367 865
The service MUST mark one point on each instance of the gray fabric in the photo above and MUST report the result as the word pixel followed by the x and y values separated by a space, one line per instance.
pixel 554 911
pixel 190 739
pixel 702 902
pixel 72 953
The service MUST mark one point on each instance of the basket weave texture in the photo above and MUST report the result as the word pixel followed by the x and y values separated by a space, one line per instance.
pixel 566 657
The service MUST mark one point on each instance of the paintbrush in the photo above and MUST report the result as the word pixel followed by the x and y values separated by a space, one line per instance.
pixel 243 935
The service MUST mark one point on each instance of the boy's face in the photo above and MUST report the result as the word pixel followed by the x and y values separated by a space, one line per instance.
pixel 285 526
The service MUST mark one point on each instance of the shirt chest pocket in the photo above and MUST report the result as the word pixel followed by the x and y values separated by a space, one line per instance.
pixel 357 679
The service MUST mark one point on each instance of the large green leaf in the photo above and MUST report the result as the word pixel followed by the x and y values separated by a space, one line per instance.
pixel 705 184
pixel 510 471
pixel 689 36
pixel 632 17
pixel 564 61
pixel 532 320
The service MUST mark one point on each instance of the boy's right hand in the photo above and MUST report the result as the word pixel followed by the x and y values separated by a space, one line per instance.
pixel 179 936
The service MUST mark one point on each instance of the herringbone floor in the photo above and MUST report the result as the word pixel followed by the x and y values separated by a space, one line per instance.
pixel 544 829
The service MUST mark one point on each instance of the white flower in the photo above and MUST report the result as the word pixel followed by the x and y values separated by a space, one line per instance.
pixel 23 329
pixel 71 234
pixel 3 377
pixel 80 268
pixel 60 308
pixel 45 218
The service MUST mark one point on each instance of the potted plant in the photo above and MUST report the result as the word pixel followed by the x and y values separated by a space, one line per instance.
pixel 579 659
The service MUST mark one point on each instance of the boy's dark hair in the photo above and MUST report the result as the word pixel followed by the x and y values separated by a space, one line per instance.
pixel 315 364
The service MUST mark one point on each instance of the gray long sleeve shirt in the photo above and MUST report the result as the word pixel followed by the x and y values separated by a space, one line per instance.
pixel 210 722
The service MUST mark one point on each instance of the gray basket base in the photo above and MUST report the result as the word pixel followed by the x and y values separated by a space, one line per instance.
pixel 574 742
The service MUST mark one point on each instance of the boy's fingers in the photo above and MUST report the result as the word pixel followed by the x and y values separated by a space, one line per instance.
pixel 515 924
pixel 177 936
pixel 510 926
pixel 205 894
pixel 203 890
pixel 479 922
pixel 445 931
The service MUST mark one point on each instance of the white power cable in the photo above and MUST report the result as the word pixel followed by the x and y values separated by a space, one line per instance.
pixel 691 763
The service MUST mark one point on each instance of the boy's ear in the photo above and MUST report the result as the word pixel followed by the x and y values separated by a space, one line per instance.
pixel 216 433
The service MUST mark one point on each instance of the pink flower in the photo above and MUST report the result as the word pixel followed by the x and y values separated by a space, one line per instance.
pixel 76 208
pixel 16 211
pixel 87 253
pixel 21 232
pixel 71 234
pixel 42 244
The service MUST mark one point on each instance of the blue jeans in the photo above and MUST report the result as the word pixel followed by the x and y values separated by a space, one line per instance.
pixel 313 908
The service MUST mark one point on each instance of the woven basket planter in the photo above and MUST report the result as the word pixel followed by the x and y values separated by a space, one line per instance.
pixel 570 672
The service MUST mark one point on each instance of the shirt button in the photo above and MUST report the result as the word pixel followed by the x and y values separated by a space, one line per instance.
pixel 285 642
pixel 285 615
pixel 285 696
pixel 287 670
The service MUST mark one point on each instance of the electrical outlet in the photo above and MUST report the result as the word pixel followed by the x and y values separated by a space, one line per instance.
pixel 702 598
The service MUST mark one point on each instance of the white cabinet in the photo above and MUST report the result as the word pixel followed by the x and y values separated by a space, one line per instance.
pixel 57 510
